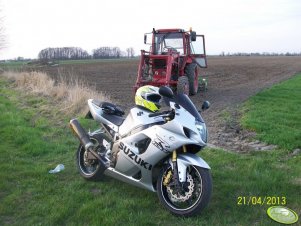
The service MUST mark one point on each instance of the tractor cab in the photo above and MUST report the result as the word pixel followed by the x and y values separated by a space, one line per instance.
pixel 168 41
pixel 173 60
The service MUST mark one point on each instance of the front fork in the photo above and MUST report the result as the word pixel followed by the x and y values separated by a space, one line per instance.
pixel 180 162
pixel 175 167
pixel 178 176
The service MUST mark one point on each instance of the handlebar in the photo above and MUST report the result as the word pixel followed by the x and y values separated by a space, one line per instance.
pixel 159 113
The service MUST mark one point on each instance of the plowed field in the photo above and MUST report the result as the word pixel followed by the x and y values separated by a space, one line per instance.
pixel 231 80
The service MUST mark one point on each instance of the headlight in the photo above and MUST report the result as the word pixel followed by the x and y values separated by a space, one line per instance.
pixel 201 127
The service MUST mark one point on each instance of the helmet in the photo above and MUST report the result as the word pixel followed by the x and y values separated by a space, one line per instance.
pixel 148 97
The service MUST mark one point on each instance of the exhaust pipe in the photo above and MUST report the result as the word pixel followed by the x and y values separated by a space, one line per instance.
pixel 84 139
pixel 81 134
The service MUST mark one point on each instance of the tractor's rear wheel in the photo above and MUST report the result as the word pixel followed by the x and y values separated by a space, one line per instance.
pixel 192 74
pixel 183 85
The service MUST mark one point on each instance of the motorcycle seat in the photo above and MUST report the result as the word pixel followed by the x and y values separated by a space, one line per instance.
pixel 111 112
pixel 115 119
pixel 109 108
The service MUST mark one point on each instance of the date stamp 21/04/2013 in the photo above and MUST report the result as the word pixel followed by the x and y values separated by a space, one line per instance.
pixel 260 200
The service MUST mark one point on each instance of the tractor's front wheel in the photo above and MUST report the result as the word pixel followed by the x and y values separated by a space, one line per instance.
pixel 192 73
pixel 183 85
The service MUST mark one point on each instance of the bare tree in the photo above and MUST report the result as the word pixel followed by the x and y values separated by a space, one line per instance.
pixel 130 52
pixel 106 52
pixel 63 53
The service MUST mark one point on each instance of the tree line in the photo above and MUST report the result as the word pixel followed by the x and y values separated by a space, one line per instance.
pixel 74 53
pixel 260 54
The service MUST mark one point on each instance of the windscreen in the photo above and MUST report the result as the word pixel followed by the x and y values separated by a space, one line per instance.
pixel 165 41
pixel 184 101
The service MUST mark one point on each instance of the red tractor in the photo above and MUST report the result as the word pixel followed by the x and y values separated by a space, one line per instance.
pixel 172 60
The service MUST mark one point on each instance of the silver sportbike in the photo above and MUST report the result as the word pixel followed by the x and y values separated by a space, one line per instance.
pixel 154 151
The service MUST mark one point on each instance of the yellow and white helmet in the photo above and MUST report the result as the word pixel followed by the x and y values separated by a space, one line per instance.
pixel 148 97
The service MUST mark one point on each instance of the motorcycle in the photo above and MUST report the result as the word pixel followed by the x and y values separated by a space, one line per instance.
pixel 154 151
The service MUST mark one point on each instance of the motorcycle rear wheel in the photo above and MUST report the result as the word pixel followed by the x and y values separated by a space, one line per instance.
pixel 89 169
pixel 192 202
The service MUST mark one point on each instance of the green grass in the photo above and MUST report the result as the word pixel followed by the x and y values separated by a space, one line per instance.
pixel 13 65
pixel 275 114
pixel 33 142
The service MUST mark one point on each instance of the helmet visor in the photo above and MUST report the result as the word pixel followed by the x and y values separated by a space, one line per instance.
pixel 153 97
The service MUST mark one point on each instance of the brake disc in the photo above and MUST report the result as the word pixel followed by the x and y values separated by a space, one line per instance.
pixel 177 197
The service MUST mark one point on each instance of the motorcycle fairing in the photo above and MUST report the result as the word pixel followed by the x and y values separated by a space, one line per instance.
pixel 188 159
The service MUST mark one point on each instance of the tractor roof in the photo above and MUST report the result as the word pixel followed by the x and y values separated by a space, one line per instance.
pixel 169 30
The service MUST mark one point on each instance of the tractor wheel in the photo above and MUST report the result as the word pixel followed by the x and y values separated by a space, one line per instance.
pixel 192 73
pixel 183 85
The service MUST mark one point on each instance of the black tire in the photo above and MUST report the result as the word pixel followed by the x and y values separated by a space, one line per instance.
pixel 199 198
pixel 192 74
pixel 89 169
pixel 183 85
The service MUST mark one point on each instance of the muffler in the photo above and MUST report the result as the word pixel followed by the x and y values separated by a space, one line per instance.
pixel 84 139
pixel 81 134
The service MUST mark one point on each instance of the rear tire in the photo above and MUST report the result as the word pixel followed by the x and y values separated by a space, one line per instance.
pixel 183 85
pixel 195 202
pixel 192 74
pixel 89 169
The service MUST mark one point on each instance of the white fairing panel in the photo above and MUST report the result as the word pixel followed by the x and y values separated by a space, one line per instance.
pixel 137 117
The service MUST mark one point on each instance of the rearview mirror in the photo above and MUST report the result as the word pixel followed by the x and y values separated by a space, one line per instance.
pixel 165 91
pixel 205 105
pixel 193 36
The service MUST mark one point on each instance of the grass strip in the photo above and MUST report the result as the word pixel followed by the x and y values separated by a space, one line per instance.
pixel 275 114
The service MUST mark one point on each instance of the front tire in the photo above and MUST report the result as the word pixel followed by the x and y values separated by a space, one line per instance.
pixel 90 169
pixel 195 196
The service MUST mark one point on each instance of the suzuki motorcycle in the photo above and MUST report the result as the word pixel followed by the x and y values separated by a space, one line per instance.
pixel 154 151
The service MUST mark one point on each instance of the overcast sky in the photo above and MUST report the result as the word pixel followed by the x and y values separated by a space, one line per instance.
pixel 228 25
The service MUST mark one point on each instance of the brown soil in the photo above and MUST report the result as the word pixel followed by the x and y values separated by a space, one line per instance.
pixel 231 80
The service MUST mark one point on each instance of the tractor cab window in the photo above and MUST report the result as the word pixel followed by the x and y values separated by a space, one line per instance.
pixel 165 42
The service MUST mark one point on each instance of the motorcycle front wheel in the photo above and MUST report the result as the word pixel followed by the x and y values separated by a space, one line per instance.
pixel 191 198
